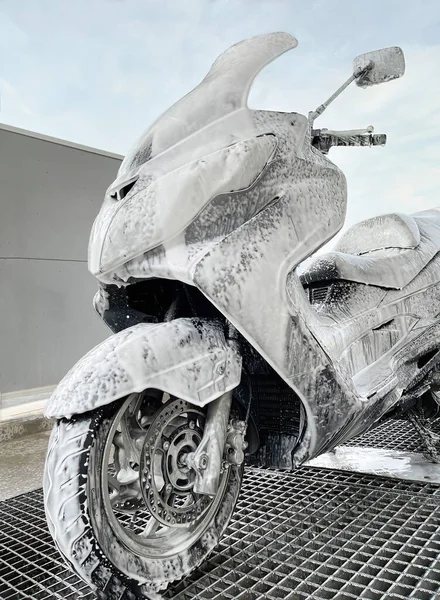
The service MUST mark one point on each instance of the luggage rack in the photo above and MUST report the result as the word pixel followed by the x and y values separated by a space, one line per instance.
pixel 316 533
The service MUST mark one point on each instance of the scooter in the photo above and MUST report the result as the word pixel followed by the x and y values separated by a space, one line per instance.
pixel 222 353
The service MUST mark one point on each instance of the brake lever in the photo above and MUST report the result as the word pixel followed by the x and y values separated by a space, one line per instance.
pixel 347 132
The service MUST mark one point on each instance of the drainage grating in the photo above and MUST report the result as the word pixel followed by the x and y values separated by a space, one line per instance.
pixel 393 434
pixel 315 533
pixel 30 566
pixel 323 535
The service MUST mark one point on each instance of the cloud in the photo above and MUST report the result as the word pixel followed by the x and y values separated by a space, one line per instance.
pixel 99 72
pixel 15 102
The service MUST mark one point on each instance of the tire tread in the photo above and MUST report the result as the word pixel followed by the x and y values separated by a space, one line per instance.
pixel 82 552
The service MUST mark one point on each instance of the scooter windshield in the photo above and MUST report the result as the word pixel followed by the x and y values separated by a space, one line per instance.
pixel 224 90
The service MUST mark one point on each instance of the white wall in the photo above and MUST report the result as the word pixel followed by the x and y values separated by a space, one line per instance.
pixel 50 193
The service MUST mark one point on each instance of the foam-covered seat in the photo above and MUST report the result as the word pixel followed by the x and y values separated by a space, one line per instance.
pixel 386 251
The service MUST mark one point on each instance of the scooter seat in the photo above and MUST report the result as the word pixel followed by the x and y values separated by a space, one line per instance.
pixel 394 230
pixel 386 251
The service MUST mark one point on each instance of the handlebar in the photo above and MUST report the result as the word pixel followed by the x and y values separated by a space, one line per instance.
pixel 323 140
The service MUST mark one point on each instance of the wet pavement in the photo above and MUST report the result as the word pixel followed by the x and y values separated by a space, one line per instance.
pixel 22 464
pixel 412 466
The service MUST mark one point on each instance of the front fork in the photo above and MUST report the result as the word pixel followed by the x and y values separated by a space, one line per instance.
pixel 219 437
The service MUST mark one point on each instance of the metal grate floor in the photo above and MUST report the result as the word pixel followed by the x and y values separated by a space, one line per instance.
pixel 325 535
pixel 394 435
pixel 316 533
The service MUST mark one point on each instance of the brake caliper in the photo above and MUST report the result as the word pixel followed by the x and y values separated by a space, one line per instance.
pixel 235 442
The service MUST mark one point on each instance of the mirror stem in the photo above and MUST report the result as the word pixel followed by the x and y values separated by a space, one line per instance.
pixel 314 114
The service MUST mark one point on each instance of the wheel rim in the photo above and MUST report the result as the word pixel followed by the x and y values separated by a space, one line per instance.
pixel 149 517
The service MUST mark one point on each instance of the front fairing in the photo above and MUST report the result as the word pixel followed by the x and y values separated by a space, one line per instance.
pixel 163 210
pixel 204 145
pixel 167 197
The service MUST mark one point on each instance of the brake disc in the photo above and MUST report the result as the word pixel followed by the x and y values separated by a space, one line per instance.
pixel 166 481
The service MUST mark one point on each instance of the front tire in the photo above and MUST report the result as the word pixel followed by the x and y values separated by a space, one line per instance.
pixel 80 512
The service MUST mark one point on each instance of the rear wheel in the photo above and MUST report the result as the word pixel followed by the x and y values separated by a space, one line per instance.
pixel 119 496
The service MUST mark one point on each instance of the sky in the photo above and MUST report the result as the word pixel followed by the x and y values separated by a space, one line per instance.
pixel 99 72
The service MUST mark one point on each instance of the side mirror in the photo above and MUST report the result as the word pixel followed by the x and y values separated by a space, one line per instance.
pixel 379 66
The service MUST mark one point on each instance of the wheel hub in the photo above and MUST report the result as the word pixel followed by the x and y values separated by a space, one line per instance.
pixel 166 480
pixel 183 441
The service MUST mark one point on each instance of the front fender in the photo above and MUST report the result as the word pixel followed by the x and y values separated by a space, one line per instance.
pixel 188 358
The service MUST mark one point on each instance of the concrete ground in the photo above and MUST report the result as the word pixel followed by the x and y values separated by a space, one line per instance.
pixel 22 464
pixel 24 436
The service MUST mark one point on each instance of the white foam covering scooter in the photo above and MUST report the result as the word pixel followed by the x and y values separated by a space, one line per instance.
pixel 222 354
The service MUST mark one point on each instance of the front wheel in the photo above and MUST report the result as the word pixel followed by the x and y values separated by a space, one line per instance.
pixel 119 496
